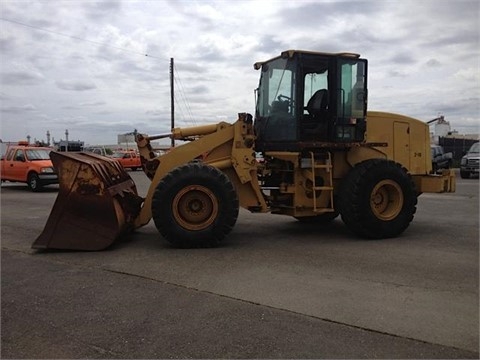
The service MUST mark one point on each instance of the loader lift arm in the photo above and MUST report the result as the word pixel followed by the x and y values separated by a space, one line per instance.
pixel 191 196
pixel 228 147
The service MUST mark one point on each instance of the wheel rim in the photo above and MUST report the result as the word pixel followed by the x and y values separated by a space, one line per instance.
pixel 33 182
pixel 195 207
pixel 386 200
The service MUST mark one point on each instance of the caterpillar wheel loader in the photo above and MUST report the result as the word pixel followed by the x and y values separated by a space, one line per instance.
pixel 312 151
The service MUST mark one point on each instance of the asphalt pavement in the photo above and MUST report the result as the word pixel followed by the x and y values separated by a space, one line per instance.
pixel 276 289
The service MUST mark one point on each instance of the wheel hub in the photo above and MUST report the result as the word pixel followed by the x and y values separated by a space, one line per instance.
pixel 195 207
pixel 386 200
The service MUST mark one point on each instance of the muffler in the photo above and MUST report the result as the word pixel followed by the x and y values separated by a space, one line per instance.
pixel 97 203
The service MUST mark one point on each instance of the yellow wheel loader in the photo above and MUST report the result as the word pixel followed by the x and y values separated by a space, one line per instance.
pixel 312 151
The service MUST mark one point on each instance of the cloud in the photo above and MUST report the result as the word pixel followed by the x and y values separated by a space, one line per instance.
pixel 21 78
pixel 93 103
pixel 403 58
pixel 470 75
pixel 97 10
pixel 7 44
pixel 18 109
pixel 315 15
pixel 433 63
pixel 157 113
pixel 75 85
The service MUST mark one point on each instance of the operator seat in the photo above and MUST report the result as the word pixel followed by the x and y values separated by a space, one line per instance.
pixel 318 103
pixel 315 124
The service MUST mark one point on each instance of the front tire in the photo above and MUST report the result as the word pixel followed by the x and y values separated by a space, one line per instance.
pixel 378 199
pixel 34 182
pixel 464 174
pixel 195 205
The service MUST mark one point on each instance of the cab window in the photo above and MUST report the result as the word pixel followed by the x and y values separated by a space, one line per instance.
pixel 19 156
pixel 276 100
pixel 314 82
pixel 10 154
pixel 38 154
pixel 352 97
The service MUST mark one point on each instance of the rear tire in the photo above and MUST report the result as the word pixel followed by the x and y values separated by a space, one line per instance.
pixel 378 199
pixel 195 205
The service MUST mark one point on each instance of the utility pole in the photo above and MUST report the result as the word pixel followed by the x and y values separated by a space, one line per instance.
pixel 172 102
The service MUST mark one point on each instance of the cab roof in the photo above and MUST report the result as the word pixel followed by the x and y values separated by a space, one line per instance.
pixel 290 53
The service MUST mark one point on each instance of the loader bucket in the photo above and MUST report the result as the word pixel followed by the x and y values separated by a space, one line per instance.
pixel 97 203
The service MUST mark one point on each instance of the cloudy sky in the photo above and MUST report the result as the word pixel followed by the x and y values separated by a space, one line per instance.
pixel 101 68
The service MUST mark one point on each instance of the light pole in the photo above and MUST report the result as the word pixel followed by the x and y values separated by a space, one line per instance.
pixel 66 136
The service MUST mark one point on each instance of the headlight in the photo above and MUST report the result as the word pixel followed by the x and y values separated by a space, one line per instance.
pixel 47 170
pixel 463 161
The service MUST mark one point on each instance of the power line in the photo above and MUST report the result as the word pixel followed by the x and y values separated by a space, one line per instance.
pixel 183 108
pixel 185 101
pixel 81 39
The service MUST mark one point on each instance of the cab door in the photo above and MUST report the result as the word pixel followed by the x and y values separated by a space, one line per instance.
pixel 351 95
pixel 128 159
pixel 17 166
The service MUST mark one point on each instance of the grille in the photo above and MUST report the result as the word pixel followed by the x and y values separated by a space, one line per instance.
pixel 473 162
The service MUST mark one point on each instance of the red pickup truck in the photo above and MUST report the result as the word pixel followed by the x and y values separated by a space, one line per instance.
pixel 28 164
pixel 128 158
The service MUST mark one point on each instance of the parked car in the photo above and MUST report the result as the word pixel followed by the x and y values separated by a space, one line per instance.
pixel 440 159
pixel 470 161
pixel 28 164
pixel 97 150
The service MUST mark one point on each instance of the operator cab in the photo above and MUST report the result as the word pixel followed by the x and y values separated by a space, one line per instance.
pixel 306 98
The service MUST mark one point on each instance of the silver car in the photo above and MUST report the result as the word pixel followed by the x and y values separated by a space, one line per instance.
pixel 470 161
